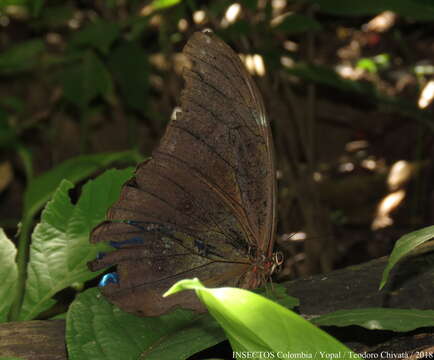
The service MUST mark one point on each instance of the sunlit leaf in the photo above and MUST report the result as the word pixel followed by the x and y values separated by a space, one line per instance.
pixel 161 4
pixel 367 64
pixel 255 323
pixel 96 330
pixel 404 246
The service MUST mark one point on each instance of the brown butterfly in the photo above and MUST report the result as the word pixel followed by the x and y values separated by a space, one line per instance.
pixel 204 204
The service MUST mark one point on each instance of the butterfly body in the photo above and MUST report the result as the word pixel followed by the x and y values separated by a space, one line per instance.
pixel 204 204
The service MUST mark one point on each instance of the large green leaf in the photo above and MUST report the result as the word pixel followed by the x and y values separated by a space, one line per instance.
pixel 8 274
pixel 416 9
pixel 60 247
pixel 379 319
pixel 254 323
pixel 85 80
pixel 99 35
pixel 98 330
pixel 21 57
pixel 129 65
pixel 40 189
pixel 404 246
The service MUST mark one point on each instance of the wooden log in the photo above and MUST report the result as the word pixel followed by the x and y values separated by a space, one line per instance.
pixel 33 340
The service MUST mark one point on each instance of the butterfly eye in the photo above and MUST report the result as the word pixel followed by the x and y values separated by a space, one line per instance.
pixel 278 258
pixel 276 263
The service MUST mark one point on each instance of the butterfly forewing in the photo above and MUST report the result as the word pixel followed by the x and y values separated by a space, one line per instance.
pixel 203 206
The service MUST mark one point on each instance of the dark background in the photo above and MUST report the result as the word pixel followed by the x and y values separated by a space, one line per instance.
pixel 342 84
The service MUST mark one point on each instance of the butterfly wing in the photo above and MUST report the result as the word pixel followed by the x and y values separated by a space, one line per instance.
pixel 206 198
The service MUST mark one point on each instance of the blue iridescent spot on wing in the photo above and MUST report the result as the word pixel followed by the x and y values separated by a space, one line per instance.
pixel 100 255
pixel 132 241
pixel 110 278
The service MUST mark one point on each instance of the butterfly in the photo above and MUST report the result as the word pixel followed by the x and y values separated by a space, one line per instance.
pixel 204 205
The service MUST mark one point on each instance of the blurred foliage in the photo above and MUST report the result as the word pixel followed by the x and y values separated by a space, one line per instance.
pixel 79 78
pixel 85 85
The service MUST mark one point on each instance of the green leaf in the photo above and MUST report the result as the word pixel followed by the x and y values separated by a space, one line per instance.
pixel 367 64
pixel 60 245
pixel 99 35
pixel 402 320
pixel 36 7
pixel 8 135
pixel 254 323
pixel 40 189
pixel 12 102
pixel 279 295
pixel 61 316
pixel 95 329
pixel 54 16
pixel 404 246
pixel 129 65
pixel 251 4
pixel 162 4
pixel 416 9
pixel 84 81
pixel 21 57
pixel 374 64
pixel 8 274
pixel 298 23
